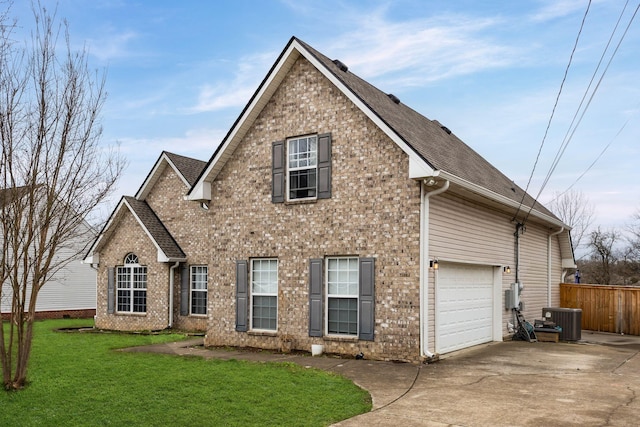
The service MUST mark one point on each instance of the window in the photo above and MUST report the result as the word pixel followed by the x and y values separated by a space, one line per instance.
pixel 301 168
pixel 264 294
pixel 199 289
pixel 302 156
pixel 342 296
pixel 132 286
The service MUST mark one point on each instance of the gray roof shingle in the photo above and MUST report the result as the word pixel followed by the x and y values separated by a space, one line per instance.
pixel 438 147
pixel 156 228
pixel 188 167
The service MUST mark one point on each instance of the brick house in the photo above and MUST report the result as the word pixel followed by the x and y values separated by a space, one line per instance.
pixel 330 214
pixel 142 250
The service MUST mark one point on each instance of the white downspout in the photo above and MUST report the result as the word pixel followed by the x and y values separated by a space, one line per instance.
pixel 95 267
pixel 549 264
pixel 171 280
pixel 424 269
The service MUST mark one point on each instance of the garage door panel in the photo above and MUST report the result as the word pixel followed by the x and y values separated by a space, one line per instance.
pixel 465 306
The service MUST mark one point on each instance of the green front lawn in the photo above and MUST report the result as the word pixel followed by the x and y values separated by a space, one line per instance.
pixel 77 379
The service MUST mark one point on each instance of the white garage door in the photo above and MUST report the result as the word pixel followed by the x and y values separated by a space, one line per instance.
pixel 464 306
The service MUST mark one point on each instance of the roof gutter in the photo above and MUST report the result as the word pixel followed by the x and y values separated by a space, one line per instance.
pixel 424 266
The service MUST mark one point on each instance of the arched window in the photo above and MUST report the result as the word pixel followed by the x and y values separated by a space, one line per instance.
pixel 131 258
pixel 132 286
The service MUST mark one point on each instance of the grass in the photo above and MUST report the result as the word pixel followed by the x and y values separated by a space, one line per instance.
pixel 76 379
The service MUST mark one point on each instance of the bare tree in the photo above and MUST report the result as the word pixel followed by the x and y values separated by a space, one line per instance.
pixel 575 210
pixel 603 244
pixel 633 232
pixel 53 170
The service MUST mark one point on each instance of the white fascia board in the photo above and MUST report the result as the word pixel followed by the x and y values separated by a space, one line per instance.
pixel 419 169
pixel 200 191
pixel 482 191
pixel 568 263
pixel 92 259
pixel 163 258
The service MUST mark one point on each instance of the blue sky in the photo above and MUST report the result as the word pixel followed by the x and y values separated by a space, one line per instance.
pixel 180 72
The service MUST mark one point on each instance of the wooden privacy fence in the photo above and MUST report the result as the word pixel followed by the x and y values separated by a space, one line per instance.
pixel 604 308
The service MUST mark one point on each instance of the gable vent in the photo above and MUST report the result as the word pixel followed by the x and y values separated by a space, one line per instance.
pixel 394 98
pixel 446 129
pixel 341 65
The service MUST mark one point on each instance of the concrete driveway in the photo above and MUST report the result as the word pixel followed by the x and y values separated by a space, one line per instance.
pixel 521 384
pixel 592 383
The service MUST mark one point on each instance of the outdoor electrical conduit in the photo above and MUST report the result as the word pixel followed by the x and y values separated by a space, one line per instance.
pixel 424 252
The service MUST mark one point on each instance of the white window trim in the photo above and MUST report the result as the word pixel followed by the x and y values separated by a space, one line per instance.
pixel 192 290
pixel 288 169
pixel 266 294
pixel 131 266
pixel 326 298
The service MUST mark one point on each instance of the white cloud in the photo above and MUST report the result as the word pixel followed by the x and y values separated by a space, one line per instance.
pixel 423 50
pixel 141 153
pixel 554 9
pixel 197 143
pixel 237 92
pixel 404 54
pixel 112 46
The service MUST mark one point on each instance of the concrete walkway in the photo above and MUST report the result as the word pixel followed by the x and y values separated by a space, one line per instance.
pixel 498 384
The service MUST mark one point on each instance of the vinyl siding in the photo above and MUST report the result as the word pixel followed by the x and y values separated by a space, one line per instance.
pixel 465 232
pixel 71 288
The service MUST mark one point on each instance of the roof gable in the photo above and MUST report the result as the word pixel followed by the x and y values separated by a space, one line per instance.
pixel 187 169
pixel 168 249
pixel 433 150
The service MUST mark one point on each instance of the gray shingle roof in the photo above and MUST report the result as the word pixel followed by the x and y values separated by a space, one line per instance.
pixel 188 167
pixel 156 228
pixel 438 147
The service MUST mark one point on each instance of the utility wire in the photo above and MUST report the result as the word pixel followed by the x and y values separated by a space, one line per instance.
pixel 592 163
pixel 568 139
pixel 569 133
pixel 546 131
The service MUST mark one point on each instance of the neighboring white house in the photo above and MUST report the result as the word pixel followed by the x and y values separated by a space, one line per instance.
pixel 71 292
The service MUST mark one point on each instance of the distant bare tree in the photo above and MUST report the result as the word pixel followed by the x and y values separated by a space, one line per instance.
pixel 633 230
pixel 575 210
pixel 602 244
pixel 53 170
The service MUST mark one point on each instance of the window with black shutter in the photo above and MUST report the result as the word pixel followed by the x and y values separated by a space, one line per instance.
pixel 301 168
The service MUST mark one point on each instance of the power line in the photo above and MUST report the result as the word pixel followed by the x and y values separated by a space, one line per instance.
pixel 546 132
pixel 570 131
pixel 592 163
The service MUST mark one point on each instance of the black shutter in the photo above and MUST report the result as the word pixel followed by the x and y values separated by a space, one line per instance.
pixel 367 298
pixel 242 296
pixel 277 172
pixel 315 298
pixel 324 166
pixel 111 297
pixel 184 290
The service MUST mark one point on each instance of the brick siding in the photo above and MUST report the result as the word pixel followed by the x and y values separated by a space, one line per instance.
pixel 374 211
